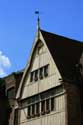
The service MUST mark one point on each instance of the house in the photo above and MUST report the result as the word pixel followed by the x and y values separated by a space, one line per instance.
pixel 49 91
pixel 8 89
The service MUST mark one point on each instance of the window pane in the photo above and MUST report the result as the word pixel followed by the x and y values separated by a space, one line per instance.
pixel 43 107
pixel 47 105
pixel 46 71
pixel 29 101
pixel 33 110
pixel 41 73
pixel 36 75
pixel 28 113
pixel 37 109
pixel 31 79
pixel 45 95
pixel 52 104
pixel 59 89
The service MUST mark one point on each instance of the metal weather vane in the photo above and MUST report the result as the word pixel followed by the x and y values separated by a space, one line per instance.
pixel 38 19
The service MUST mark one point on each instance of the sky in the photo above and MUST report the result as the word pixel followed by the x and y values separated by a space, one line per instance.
pixel 18 26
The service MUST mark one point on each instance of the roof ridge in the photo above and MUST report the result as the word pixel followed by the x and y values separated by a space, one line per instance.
pixel 61 36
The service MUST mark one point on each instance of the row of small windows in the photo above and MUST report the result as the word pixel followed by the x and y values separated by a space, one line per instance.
pixel 41 104
pixel 39 73
pixel 40 108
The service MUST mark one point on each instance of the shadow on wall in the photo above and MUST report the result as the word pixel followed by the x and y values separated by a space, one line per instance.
pixel 4 105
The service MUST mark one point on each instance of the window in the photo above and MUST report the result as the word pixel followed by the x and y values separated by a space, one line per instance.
pixel 33 110
pixel 42 103
pixel 37 109
pixel 47 105
pixel 52 104
pixel 36 75
pixel 28 116
pixel 11 93
pixel 39 73
pixel 46 71
pixel 31 79
pixel 43 107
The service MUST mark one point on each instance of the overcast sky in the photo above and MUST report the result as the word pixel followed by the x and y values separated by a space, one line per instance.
pixel 18 27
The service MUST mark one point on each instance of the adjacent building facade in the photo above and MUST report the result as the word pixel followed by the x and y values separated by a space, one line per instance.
pixel 4 105
pixel 11 85
pixel 8 89
pixel 50 91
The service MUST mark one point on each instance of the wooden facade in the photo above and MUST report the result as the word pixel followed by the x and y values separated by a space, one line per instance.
pixel 48 94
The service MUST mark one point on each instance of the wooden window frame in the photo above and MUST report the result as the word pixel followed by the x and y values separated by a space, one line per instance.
pixel 43 104
pixel 39 73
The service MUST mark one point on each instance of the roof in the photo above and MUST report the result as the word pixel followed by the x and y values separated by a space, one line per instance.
pixel 14 73
pixel 65 52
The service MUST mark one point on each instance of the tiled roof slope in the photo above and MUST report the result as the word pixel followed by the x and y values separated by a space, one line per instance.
pixel 65 52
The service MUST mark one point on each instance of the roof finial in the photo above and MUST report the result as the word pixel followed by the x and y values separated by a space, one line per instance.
pixel 38 20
